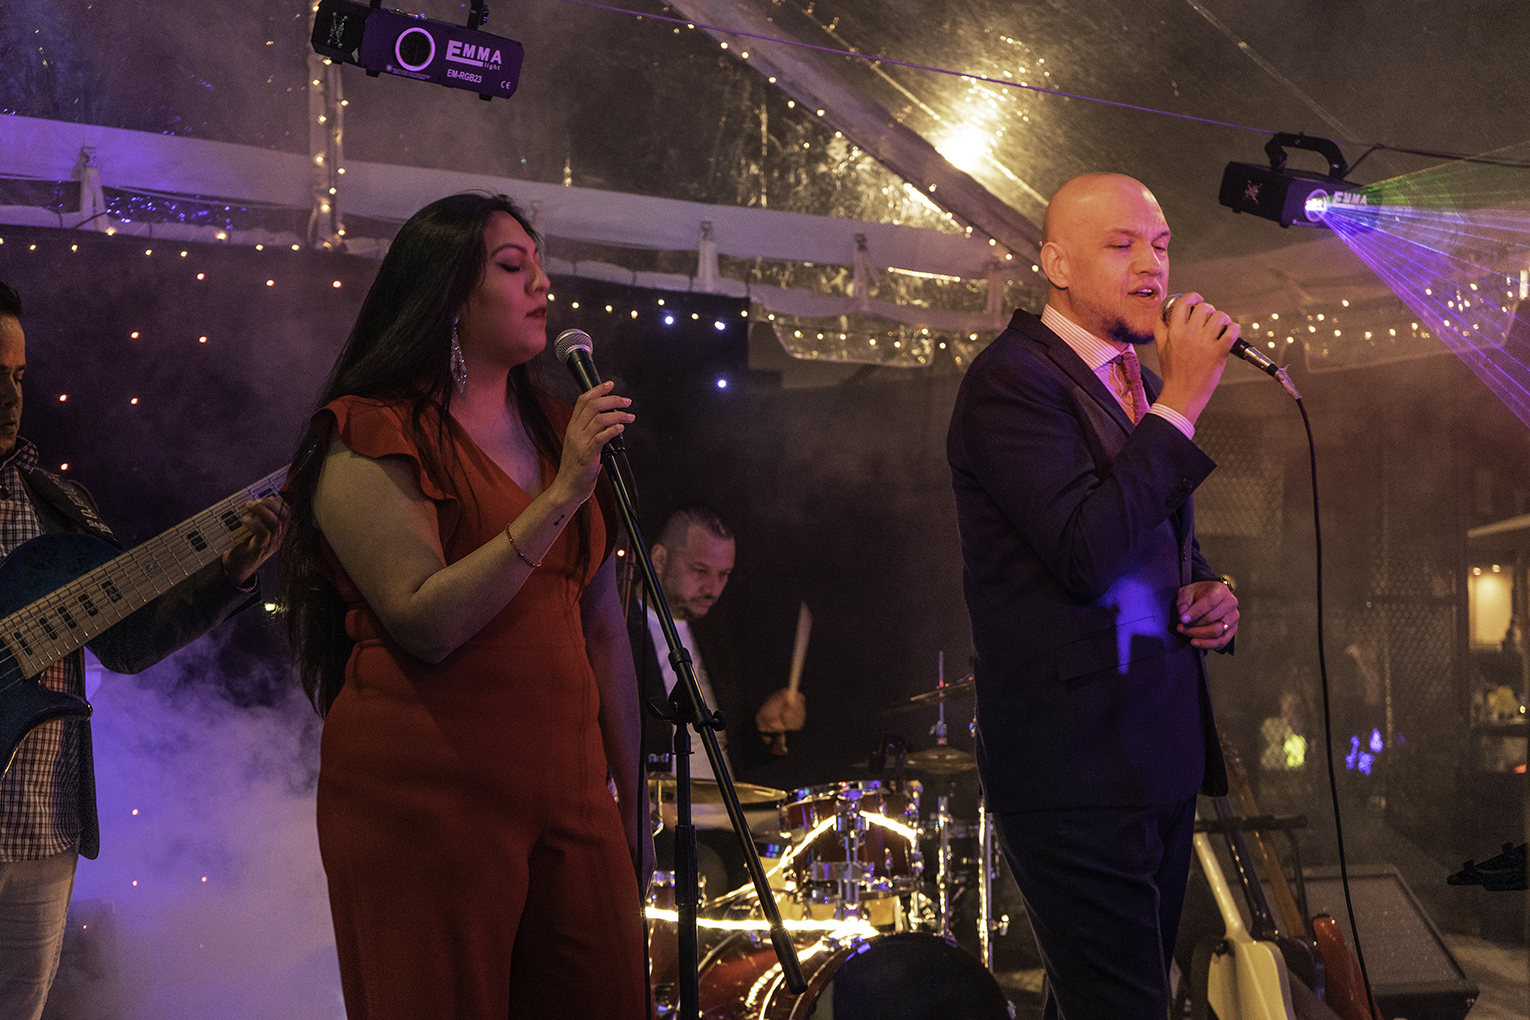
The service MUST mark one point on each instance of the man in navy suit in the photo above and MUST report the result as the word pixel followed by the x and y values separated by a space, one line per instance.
pixel 1091 604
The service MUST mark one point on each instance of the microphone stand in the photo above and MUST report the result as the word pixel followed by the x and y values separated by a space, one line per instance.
pixel 690 710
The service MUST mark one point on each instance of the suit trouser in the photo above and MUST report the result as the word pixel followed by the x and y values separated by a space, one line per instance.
pixel 1103 888
pixel 34 908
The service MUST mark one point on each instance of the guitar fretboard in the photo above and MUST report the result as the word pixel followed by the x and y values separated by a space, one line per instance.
pixel 53 627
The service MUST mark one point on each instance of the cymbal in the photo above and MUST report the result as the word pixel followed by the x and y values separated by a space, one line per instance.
pixel 661 785
pixel 950 692
pixel 941 760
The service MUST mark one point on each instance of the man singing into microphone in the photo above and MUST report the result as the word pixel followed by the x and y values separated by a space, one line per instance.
pixel 1091 604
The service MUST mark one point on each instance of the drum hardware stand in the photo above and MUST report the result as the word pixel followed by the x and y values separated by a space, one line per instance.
pixel 943 876
pixel 943 819
pixel 895 745
pixel 688 710
pixel 987 872
pixel 851 824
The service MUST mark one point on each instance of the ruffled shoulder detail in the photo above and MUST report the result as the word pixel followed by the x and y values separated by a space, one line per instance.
pixel 379 428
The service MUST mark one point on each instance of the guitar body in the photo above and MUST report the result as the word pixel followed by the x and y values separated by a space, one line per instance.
pixel 1247 977
pixel 1346 985
pixel 31 572
pixel 1250 982
pixel 1301 953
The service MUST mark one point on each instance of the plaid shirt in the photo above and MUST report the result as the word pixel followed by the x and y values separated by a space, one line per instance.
pixel 39 794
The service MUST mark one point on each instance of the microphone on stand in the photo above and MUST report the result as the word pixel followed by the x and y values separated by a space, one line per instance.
pixel 1241 348
pixel 576 350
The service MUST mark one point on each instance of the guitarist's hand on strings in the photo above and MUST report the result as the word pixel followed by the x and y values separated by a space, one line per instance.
pixel 263 523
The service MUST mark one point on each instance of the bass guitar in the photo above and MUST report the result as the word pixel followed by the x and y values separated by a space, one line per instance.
pixel 61 590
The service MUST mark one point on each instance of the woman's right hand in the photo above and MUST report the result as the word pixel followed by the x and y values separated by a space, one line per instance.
pixel 599 417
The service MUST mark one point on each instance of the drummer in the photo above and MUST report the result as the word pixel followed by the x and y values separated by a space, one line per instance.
pixel 693 559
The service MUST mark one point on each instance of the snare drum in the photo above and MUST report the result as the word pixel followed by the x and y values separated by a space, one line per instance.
pixel 857 834
pixel 904 976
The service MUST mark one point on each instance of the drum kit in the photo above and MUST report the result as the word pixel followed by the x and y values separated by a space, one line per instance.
pixel 874 927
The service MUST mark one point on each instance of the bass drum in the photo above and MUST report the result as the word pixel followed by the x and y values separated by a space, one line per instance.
pixel 902 976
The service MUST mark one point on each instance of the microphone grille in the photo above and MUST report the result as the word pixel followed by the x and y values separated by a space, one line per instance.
pixel 572 339
pixel 1168 306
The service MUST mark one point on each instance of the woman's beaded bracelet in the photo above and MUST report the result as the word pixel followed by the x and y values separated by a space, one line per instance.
pixel 533 564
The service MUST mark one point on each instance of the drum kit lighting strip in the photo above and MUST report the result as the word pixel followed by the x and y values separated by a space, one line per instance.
pixel 786 859
pixel 849 928
pixel 910 834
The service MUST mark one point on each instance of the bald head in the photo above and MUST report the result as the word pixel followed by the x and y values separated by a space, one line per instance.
pixel 1106 256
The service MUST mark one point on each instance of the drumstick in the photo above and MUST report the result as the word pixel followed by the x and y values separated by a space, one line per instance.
pixel 794 680
pixel 799 650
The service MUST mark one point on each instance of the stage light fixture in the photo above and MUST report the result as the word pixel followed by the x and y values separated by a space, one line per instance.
pixel 414 46
pixel 1292 197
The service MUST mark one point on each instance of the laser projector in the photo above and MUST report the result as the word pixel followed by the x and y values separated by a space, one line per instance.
pixel 1292 197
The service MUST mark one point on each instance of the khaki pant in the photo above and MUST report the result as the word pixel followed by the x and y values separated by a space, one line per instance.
pixel 34 907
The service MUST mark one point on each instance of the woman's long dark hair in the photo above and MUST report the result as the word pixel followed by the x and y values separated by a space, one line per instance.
pixel 399 349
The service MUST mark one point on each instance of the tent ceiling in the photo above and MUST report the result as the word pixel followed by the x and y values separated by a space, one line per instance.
pixel 612 102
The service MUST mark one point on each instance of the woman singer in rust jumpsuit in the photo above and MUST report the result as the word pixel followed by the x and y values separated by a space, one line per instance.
pixel 453 601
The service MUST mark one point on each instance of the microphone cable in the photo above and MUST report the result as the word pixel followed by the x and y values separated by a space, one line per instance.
pixel 1333 784
pixel 1278 373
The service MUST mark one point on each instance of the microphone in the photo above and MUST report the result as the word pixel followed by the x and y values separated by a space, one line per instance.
pixel 1241 348
pixel 576 350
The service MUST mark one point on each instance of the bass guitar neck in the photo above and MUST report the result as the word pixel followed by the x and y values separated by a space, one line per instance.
pixel 60 591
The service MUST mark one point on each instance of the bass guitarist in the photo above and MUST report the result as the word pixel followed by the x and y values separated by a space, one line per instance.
pixel 47 796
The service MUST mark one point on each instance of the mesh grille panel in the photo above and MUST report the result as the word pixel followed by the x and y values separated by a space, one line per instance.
pixel 1245 495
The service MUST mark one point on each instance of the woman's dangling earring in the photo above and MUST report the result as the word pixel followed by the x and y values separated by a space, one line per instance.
pixel 459 364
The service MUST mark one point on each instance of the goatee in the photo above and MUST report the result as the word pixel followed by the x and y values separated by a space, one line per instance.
pixel 1121 333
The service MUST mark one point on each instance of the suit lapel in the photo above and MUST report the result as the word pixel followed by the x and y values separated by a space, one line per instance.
pixel 1070 364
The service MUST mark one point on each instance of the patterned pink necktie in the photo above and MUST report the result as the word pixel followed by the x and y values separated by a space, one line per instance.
pixel 1139 401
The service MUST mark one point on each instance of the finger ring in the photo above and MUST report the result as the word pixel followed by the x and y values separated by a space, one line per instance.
pixel 1224 627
